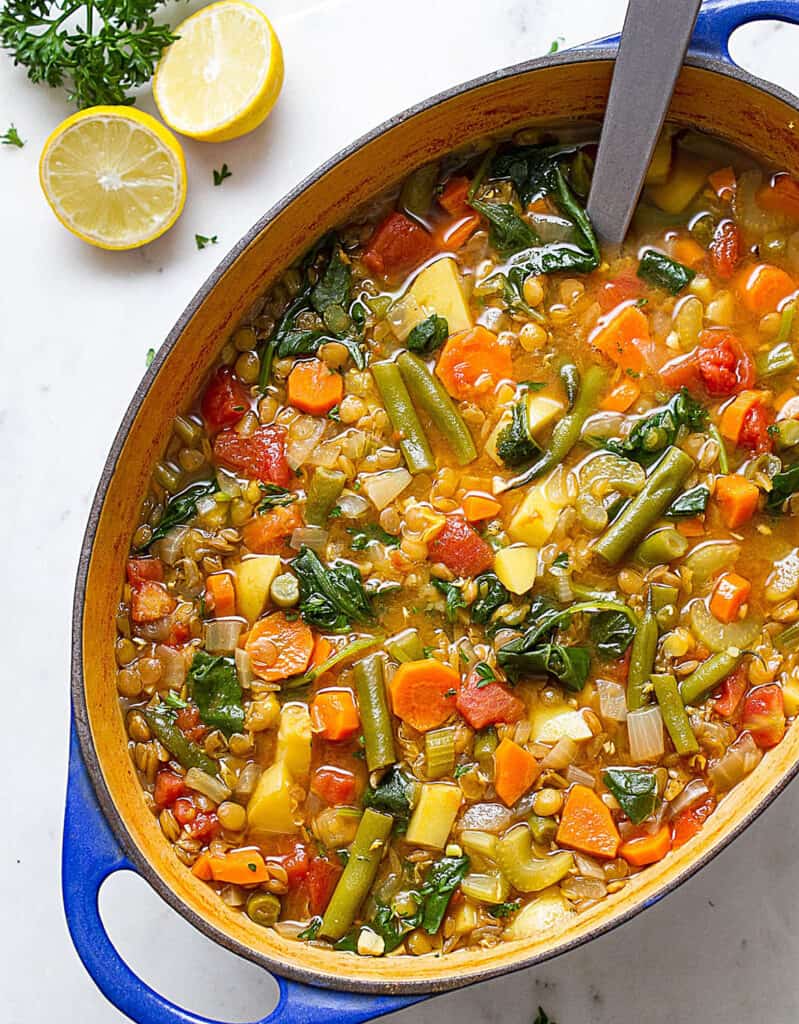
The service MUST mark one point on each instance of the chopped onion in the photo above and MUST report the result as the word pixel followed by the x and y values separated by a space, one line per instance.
pixel 645 731
pixel 584 888
pixel 695 791
pixel 326 455
pixel 354 443
pixel 382 488
pixel 206 784
pixel 170 547
pixel 222 635
pixel 563 586
pixel 551 228
pixel 578 777
pixel 612 700
pixel 739 760
pixel 313 537
pixel 304 435
pixel 173 667
pixel 486 818
pixel 227 483
pixel 561 755
pixel 244 668
pixel 205 505
pixel 352 505
pixel 589 867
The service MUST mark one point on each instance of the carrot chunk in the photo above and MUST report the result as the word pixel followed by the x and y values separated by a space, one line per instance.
pixel 267 534
pixel 621 397
pixel 202 867
pixel 723 183
pixel 423 693
pixel 764 287
pixel 220 594
pixel 515 770
pixel 279 647
pixel 473 362
pixel 334 715
pixel 730 593
pixel 314 388
pixel 239 867
pixel 737 499
pixel 587 825
pixel 620 336
pixel 479 506
pixel 151 601
pixel 688 252
pixel 780 195
pixel 647 849
pixel 734 415
pixel 457 232
pixel 454 197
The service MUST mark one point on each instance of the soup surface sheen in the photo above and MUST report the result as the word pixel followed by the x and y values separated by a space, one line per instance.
pixel 467 588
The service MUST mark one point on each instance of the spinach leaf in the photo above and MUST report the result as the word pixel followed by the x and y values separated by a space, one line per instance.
pixel 454 598
pixel 569 665
pixel 663 272
pixel 216 691
pixel 509 232
pixel 391 927
pixel 611 633
pixel 442 879
pixel 393 794
pixel 783 485
pixel 542 1018
pixel 485 674
pixel 332 596
pixel 504 909
pixel 349 942
pixel 181 509
pixel 333 287
pixel 273 497
pixel 635 789
pixel 371 532
pixel 690 503
pixel 515 443
pixel 429 335
pixel 653 434
pixel 312 930
pixel 491 595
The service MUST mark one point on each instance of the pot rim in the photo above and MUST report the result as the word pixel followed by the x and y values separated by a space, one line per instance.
pixel 294 972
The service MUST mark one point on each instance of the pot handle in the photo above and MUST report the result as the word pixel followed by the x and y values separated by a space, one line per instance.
pixel 717 21
pixel 90 854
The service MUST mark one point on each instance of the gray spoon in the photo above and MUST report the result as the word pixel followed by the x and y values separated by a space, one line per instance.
pixel 651 52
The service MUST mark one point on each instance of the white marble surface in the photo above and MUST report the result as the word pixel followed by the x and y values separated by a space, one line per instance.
pixel 75 325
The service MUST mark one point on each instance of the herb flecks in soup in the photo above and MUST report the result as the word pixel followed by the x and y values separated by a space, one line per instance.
pixel 467 588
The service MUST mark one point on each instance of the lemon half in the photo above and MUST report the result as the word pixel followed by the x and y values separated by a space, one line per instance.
pixel 222 76
pixel 113 176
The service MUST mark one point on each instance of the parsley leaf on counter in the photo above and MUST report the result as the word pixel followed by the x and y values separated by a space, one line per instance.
pixel 219 176
pixel 11 138
pixel 201 241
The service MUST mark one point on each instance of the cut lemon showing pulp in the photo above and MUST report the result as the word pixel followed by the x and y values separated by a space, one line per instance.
pixel 113 176
pixel 222 76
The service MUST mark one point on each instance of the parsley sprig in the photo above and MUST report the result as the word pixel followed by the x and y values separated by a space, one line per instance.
pixel 11 138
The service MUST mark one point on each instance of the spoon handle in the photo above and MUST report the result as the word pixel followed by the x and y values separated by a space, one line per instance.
pixel 651 52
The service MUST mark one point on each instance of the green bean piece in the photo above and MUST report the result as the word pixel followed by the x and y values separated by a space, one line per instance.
pixel 324 491
pixel 785 434
pixel 642 657
pixel 661 547
pixel 363 643
pixel 263 908
pixel 567 431
pixel 413 440
pixel 779 359
pixel 663 595
pixel 353 887
pixel 485 743
pixel 724 462
pixel 430 395
pixel 285 590
pixel 267 359
pixel 161 720
pixel 709 674
pixel 674 716
pixel 416 196
pixel 646 507
pixel 405 646
pixel 375 718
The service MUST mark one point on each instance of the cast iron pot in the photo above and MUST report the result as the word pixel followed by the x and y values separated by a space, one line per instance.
pixel 712 95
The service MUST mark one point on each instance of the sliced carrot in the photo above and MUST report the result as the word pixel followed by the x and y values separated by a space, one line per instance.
pixel 279 647
pixel 730 593
pixel 322 649
pixel 457 232
pixel 334 714
pixel 780 195
pixel 734 415
pixel 693 527
pixel 314 388
pixel 473 362
pixel 586 824
pixel 267 534
pixel 239 867
pixel 737 499
pixel 764 287
pixel 620 335
pixel 220 594
pixel 201 868
pixel 687 252
pixel 423 693
pixel 480 506
pixel 515 770
pixel 454 196
pixel 723 183
pixel 647 849
pixel 621 397
pixel 150 601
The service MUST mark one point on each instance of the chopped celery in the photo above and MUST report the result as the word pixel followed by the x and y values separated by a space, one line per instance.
pixel 487 887
pixel 439 752
pixel 405 646
pixel 523 869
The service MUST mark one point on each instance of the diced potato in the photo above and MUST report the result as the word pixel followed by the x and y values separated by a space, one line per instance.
pixel 253 579
pixel 790 695
pixel 272 810
pixel 660 164
pixel 294 739
pixel 437 289
pixel 541 411
pixel 382 488
pixel 466 918
pixel 434 816
pixel 536 517
pixel 688 174
pixel 550 724
pixel 516 567
pixel 548 909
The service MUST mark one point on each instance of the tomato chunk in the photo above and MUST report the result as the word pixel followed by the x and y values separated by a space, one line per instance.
pixel 225 400
pixel 151 601
pixel 204 826
pixel 261 456
pixel 397 246
pixel 731 692
pixel 764 715
pixel 323 875
pixel 184 810
pixel 488 704
pixel 334 785
pixel 460 548
pixel 719 364
pixel 296 861
pixel 726 249
pixel 755 429
pixel 625 286
pixel 168 787
pixel 689 821
pixel 140 569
